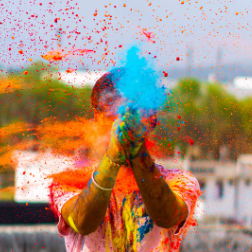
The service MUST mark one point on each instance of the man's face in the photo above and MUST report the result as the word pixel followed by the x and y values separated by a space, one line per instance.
pixel 110 103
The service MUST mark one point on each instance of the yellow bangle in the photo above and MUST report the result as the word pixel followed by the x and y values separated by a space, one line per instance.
pixel 72 225
pixel 100 187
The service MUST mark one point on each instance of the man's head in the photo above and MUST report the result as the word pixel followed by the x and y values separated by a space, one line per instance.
pixel 106 98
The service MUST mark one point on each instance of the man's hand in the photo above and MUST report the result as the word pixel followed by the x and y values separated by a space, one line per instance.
pixel 88 209
pixel 132 131
pixel 116 150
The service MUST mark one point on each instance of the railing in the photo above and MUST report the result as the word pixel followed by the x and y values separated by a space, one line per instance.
pixel 22 213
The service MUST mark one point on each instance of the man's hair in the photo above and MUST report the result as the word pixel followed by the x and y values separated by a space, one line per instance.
pixel 106 84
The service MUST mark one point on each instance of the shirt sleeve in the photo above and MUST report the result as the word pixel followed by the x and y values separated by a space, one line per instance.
pixel 59 198
pixel 186 186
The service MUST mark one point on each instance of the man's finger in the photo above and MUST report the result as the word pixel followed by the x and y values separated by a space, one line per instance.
pixel 127 132
pixel 122 138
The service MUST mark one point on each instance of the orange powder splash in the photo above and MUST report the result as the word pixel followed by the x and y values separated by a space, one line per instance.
pixel 90 135
pixel 7 137
pixel 6 159
pixel 53 56
pixel 60 55
pixel 149 35
pixel 13 128
pixel 8 85
pixel 65 138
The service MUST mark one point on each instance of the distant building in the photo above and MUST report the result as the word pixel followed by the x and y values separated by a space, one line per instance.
pixel 242 87
pixel 217 184
pixel 81 78
pixel 244 193
pixel 31 174
pixel 78 78
pixel 227 188
pixel 243 82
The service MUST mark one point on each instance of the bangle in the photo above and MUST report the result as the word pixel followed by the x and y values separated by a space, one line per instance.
pixel 100 187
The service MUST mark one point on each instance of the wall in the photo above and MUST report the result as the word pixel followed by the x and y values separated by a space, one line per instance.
pixel 213 205
pixel 245 202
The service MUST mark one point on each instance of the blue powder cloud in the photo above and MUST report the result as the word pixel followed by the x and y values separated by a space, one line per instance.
pixel 140 83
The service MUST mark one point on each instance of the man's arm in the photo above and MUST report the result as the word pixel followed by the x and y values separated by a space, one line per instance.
pixel 164 207
pixel 88 209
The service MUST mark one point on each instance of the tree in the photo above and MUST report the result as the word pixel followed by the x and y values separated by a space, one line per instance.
pixel 181 112
pixel 246 115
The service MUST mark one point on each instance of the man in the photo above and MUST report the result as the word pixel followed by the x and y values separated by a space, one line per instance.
pixel 154 216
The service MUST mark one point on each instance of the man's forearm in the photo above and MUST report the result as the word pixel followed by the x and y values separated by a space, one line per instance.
pixel 88 209
pixel 164 207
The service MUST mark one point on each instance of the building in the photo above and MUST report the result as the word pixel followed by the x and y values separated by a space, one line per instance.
pixel 31 174
pixel 77 78
pixel 226 189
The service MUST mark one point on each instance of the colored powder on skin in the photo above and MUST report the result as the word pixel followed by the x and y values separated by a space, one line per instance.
pixel 140 83
pixel 76 179
pixel 96 139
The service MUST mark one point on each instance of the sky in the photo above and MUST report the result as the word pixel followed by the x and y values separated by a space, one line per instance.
pixel 110 27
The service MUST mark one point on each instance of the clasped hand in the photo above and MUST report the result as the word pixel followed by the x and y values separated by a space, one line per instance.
pixel 127 135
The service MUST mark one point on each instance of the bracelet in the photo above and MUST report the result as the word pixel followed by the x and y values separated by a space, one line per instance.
pixel 100 187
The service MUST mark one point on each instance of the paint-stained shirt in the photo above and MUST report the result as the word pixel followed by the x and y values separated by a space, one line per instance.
pixel 127 226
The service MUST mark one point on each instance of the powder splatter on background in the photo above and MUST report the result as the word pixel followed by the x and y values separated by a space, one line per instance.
pixel 191 39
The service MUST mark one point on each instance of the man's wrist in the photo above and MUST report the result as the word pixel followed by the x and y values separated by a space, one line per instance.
pixel 112 156
pixel 106 167
pixel 141 153
pixel 143 160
